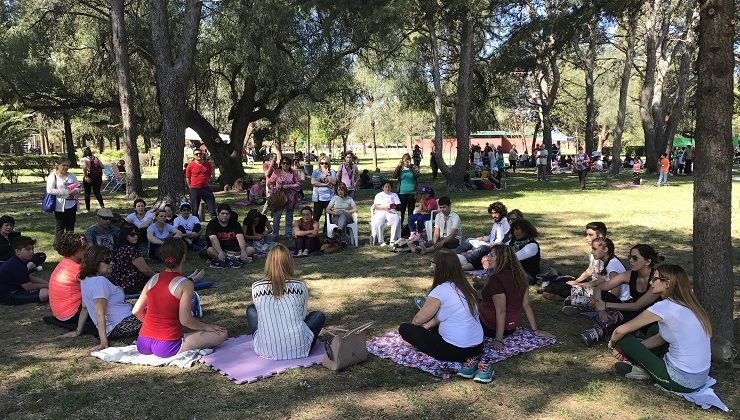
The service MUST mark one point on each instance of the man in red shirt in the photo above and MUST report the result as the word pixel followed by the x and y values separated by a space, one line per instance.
pixel 197 175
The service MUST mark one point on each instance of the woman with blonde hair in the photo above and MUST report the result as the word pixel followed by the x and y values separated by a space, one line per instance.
pixel 678 355
pixel 504 297
pixel 447 327
pixel 277 318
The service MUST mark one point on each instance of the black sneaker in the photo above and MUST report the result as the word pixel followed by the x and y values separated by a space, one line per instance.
pixel 234 263
pixel 219 264
pixel 590 336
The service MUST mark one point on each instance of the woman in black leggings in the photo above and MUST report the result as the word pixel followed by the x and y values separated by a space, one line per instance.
pixel 447 326
pixel 92 169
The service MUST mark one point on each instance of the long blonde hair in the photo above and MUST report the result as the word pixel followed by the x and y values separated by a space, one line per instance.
pixel 278 268
pixel 680 291
pixel 506 260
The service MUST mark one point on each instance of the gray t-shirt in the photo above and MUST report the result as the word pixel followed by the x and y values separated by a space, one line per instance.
pixel 339 203
pixel 95 235
pixel 117 309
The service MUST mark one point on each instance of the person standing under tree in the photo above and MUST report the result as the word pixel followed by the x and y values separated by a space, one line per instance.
pixel 433 162
pixel 408 176
pixel 541 154
pixel 197 175
pixel 513 157
pixel 65 187
pixel 92 168
pixel 664 165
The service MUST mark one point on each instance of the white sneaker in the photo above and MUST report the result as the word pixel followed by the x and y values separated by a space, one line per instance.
pixel 383 244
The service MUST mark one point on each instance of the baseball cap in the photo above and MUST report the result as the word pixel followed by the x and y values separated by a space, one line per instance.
pixel 103 212
pixel 426 189
pixel 185 205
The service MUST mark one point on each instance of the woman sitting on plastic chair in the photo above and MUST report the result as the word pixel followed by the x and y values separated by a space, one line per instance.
pixel 384 206
pixel 341 207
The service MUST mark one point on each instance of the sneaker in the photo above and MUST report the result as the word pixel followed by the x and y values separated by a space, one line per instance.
pixel 234 263
pixel 590 336
pixel 485 373
pixel 195 309
pixel 570 310
pixel 383 244
pixel 469 368
pixel 581 301
pixel 39 268
pixel 419 301
pixel 219 264
pixel 630 371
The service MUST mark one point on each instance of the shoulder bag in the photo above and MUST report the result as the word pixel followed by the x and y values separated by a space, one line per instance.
pixel 49 201
pixel 346 349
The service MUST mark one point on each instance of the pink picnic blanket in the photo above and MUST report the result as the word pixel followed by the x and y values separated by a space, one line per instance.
pixel 391 346
pixel 236 360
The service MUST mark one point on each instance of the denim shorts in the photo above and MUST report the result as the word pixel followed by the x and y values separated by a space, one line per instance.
pixel 159 348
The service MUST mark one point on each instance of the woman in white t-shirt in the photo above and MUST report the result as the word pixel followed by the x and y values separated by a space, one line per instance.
pixel 678 356
pixel 384 206
pixel 105 302
pixel 447 326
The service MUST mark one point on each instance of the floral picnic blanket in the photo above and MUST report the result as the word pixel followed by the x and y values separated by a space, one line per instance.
pixel 391 346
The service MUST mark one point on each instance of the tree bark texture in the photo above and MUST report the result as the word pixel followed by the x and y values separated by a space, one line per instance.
pixel 589 62
pixel 172 75
pixel 633 15
pixel 437 83
pixel 68 140
pixel 134 185
pixel 713 278
pixel 455 179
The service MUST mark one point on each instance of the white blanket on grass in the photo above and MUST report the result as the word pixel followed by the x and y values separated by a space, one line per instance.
pixel 704 397
pixel 130 355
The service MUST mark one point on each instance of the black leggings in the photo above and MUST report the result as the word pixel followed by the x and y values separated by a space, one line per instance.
pixel 431 343
pixel 319 207
pixel 93 185
pixel 408 202
pixel 65 222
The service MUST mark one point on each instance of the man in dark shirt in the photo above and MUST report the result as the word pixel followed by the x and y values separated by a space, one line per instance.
pixel 7 235
pixel 17 285
pixel 227 246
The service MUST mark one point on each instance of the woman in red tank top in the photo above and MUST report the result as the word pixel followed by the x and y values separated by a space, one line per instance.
pixel 165 307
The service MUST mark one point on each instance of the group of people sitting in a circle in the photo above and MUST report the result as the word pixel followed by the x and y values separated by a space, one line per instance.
pixel 87 289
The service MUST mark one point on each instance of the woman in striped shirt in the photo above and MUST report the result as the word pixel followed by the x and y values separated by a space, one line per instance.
pixel 277 318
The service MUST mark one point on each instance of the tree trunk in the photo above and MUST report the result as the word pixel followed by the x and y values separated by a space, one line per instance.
pixel 713 276
pixel 589 62
pixel 100 144
pixel 375 143
pixel 456 174
pixel 632 18
pixel 172 75
pixel 147 143
pixel 68 141
pixel 118 142
pixel 437 82
pixel 134 185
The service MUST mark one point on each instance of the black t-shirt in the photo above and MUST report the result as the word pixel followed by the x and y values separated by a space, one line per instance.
pixel 226 234
pixel 259 220
pixel 6 247
pixel 13 273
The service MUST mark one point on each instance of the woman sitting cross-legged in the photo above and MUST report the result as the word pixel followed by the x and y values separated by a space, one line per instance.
pixel 612 312
pixel 106 302
pixel 447 326
pixel 277 318
pixel 505 295
pixel 165 307
pixel 65 298
pixel 306 233
pixel 678 356
pixel 130 270
pixel 257 231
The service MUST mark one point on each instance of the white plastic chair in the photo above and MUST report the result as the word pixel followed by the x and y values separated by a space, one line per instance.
pixel 250 160
pixel 375 235
pixel 353 228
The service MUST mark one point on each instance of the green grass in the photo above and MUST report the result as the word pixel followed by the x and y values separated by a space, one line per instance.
pixel 45 376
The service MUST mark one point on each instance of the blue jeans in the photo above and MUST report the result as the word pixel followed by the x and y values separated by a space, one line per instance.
pixel 416 222
pixel 476 256
pixel 315 321
pixel 288 222
pixel 662 177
